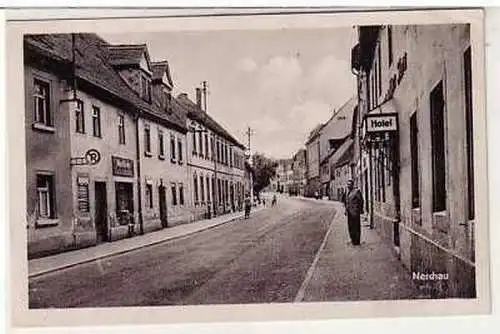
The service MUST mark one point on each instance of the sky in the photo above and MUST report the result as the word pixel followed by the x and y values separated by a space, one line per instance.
pixel 280 83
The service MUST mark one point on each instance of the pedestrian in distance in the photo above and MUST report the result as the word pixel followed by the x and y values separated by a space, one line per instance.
pixel 273 203
pixel 248 206
pixel 353 210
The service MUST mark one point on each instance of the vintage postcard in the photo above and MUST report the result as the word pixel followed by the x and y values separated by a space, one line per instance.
pixel 287 166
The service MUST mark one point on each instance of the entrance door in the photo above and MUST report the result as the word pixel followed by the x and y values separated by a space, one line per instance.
pixel 163 206
pixel 101 212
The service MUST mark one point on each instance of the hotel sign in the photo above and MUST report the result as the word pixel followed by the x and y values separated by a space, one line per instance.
pixel 123 167
pixel 381 123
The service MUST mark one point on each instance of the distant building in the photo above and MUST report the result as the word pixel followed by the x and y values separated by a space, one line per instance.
pixel 216 163
pixel 299 172
pixel 283 181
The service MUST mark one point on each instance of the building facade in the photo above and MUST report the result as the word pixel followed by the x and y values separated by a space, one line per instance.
pixel 216 163
pixel 418 172
pixel 299 172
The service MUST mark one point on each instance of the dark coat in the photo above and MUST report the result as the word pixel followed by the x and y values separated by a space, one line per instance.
pixel 354 202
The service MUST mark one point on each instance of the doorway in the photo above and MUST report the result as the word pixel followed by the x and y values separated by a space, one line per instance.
pixel 101 212
pixel 163 206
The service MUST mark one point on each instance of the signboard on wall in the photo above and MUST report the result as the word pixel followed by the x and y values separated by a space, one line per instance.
pixel 83 193
pixel 122 166
pixel 381 123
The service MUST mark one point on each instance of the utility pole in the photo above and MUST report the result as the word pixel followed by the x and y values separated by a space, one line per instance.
pixel 249 132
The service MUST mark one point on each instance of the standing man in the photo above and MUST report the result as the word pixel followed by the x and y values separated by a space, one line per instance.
pixel 353 210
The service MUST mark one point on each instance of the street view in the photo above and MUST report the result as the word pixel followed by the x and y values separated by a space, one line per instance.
pixel 237 167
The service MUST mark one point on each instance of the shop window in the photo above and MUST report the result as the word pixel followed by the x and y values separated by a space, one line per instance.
pixel 438 148
pixel 179 151
pixel 174 194
pixel 41 100
pixel 124 201
pixel 415 168
pixel 181 193
pixel 121 129
pixel 161 145
pixel 469 133
pixel 149 196
pixel 172 148
pixel 46 195
pixel 79 117
pixel 96 121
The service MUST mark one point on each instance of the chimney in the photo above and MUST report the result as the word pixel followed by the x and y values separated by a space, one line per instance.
pixel 198 97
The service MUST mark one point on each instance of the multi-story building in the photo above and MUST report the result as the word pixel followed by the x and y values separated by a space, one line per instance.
pixel 215 160
pixel 299 172
pixel 313 143
pixel 340 165
pixel 416 163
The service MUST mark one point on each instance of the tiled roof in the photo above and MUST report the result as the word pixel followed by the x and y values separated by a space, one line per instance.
pixel 159 68
pixel 340 124
pixel 92 58
pixel 343 154
pixel 126 54
pixel 192 111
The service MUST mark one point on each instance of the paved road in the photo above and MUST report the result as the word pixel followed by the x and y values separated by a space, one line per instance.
pixel 260 260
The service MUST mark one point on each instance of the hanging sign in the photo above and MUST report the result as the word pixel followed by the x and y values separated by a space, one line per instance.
pixel 381 123
pixel 91 157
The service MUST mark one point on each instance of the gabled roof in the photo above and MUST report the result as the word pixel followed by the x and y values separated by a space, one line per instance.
pixel 343 154
pixel 159 69
pixel 314 132
pixel 93 67
pixel 192 111
pixel 128 54
pixel 339 125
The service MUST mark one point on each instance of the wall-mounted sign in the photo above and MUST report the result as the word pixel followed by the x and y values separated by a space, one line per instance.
pixel 381 123
pixel 83 193
pixel 123 167
pixel 91 157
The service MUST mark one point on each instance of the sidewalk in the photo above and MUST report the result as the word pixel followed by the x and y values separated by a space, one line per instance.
pixel 345 272
pixel 68 259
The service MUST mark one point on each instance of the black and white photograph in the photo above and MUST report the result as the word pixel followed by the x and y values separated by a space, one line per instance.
pixel 241 166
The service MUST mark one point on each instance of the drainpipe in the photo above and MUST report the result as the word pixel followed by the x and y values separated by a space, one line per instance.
pixel 138 162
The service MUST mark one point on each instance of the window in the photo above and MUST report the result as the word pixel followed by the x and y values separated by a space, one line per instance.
pixel 469 133
pixel 195 152
pixel 200 146
pixel 415 171
pixel 96 121
pixel 202 189
pixel 438 148
pixel 79 117
pixel 212 148
pixel 230 157
pixel 379 62
pixel 181 194
pixel 226 154
pixel 218 152
pixel 149 196
pixel 206 146
pixel 207 180
pixel 172 148
pixel 145 88
pixel 179 146
pixel 46 196
pixel 174 193
pixel 161 145
pixel 389 44
pixel 147 139
pixel 195 187
pixel 121 129
pixel 41 100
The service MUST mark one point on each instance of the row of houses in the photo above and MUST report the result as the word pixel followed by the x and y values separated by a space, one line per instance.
pixel 407 141
pixel 110 152
pixel 414 147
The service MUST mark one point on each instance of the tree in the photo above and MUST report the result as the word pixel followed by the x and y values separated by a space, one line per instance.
pixel 264 169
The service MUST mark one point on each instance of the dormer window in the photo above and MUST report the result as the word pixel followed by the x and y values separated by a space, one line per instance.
pixel 167 100
pixel 145 87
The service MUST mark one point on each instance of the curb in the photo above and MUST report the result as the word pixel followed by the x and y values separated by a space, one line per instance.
pixel 53 269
